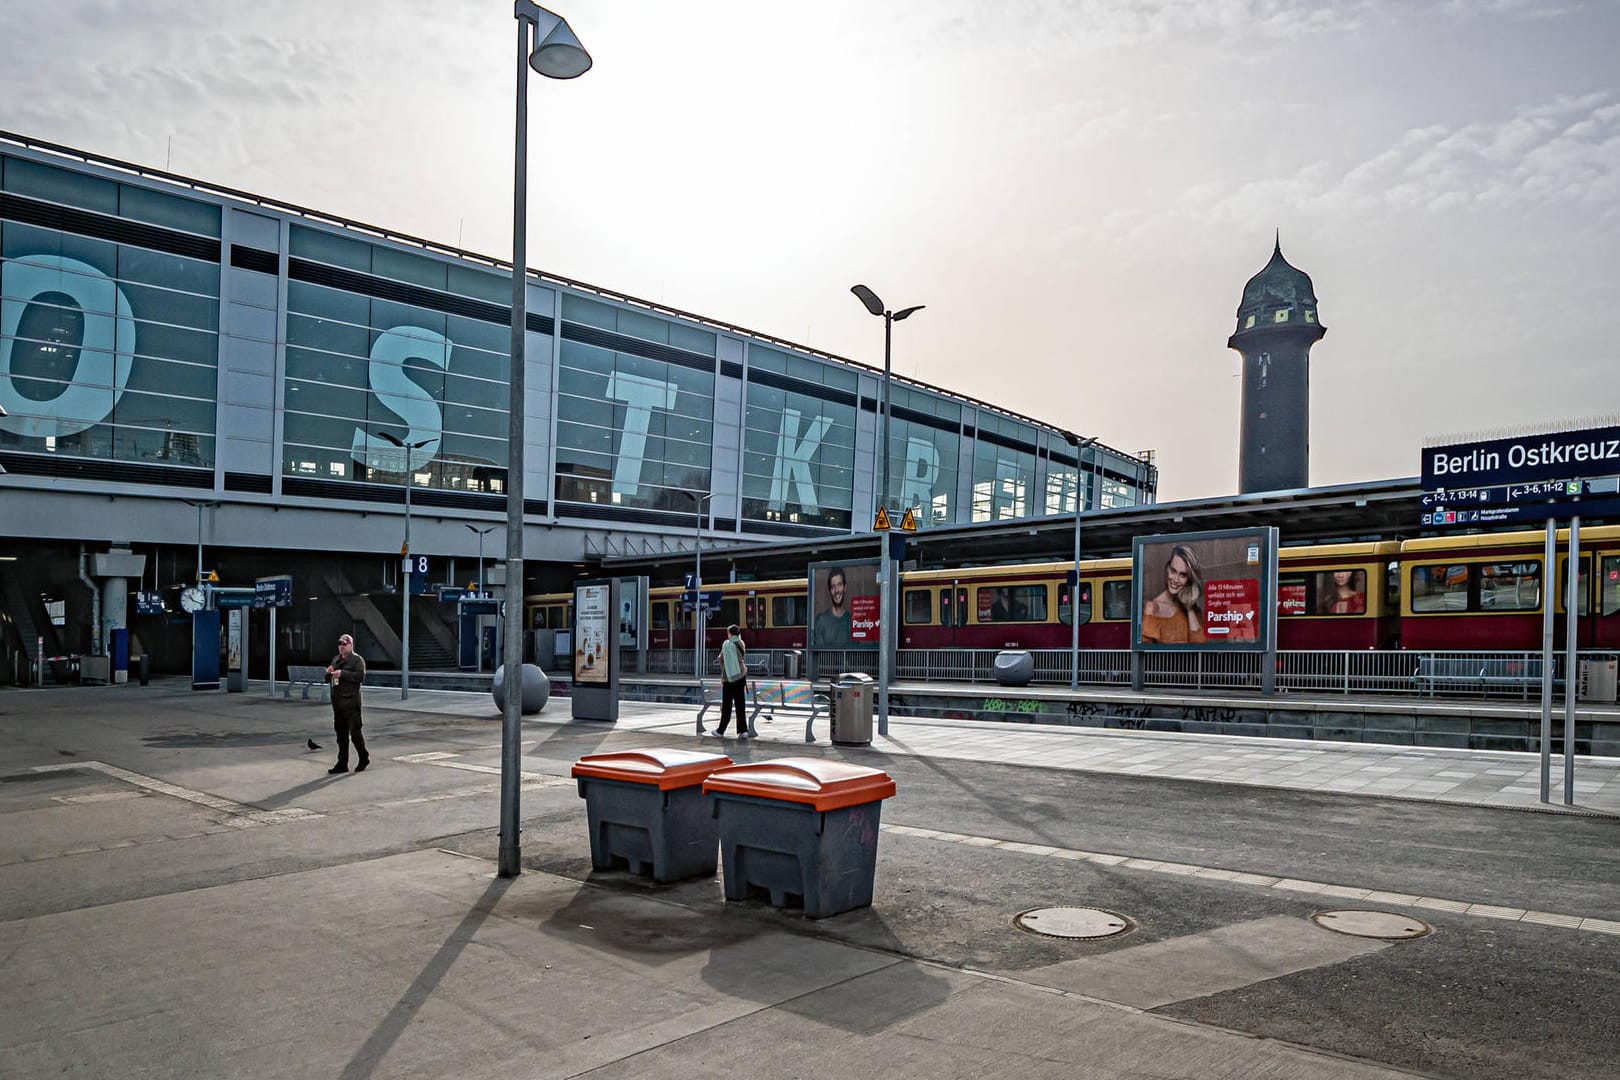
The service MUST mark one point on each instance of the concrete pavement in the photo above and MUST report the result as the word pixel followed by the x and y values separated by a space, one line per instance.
pixel 183 892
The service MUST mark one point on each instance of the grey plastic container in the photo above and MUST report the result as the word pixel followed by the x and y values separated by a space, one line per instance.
pixel 647 814
pixel 801 831
pixel 1014 667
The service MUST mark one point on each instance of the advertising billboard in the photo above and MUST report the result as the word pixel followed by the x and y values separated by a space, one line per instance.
pixel 844 604
pixel 593 619
pixel 1211 591
pixel 632 613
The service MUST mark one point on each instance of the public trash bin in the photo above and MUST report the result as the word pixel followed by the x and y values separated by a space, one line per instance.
pixel 1597 683
pixel 647 812
pixel 853 696
pixel 804 831
pixel 1015 667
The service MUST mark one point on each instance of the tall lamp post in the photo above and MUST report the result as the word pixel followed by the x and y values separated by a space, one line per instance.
pixel 1080 447
pixel 875 306
pixel 699 615
pixel 547 44
pixel 481 534
pixel 405 449
pixel 201 505
pixel 886 635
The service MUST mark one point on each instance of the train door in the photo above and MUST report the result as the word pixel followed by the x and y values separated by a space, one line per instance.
pixel 1606 614
pixel 1586 625
pixel 953 613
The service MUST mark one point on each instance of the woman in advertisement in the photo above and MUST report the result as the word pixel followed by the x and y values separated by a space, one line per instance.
pixel 1176 615
pixel 1339 593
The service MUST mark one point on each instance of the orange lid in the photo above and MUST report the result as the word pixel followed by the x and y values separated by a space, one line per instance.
pixel 660 767
pixel 823 784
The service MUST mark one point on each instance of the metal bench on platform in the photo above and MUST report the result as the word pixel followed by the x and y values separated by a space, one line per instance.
pixel 771 696
pixel 309 676
pixel 1471 672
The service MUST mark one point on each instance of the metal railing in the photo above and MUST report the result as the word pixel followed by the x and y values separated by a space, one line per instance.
pixel 1515 675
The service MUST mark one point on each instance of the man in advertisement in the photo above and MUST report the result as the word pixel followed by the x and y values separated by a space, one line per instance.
pixel 831 628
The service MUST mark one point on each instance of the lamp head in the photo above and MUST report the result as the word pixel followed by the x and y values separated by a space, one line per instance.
pixel 869 298
pixel 559 54
pixel 904 312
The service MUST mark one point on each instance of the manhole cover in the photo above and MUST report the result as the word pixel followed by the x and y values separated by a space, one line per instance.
pixel 1072 922
pixel 1373 924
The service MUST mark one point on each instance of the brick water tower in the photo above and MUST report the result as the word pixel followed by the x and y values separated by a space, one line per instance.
pixel 1276 327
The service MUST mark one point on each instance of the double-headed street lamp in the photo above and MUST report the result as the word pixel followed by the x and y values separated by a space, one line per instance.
pixel 481 534
pixel 875 306
pixel 405 449
pixel 1080 447
pixel 547 44
pixel 699 614
pixel 886 635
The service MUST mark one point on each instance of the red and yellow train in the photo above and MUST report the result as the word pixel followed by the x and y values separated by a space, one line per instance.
pixel 1468 592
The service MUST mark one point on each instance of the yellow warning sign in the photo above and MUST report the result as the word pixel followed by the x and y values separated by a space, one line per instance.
pixel 212 575
pixel 909 522
pixel 881 522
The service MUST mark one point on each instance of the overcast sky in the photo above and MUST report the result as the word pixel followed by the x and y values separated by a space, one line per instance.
pixel 1076 189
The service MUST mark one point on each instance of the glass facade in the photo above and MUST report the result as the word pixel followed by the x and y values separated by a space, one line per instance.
pixel 135 313
pixel 635 407
pixel 403 345
pixel 798 441
pixel 109 318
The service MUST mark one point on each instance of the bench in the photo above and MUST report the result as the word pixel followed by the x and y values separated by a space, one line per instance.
pixel 309 676
pixel 771 696
pixel 758 665
pixel 1435 671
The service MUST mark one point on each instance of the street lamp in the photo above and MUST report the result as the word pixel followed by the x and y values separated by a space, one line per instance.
pixel 886 635
pixel 1080 446
pixel 405 563
pixel 547 44
pixel 481 534
pixel 201 505
pixel 699 615
pixel 875 306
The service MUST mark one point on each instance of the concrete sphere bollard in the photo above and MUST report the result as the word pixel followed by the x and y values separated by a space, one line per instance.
pixel 536 689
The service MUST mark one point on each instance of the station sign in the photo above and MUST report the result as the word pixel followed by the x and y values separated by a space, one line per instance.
pixel 227 598
pixel 1526 513
pixel 1523 459
pixel 709 598
pixel 272 592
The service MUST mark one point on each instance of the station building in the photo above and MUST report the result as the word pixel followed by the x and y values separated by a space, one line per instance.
pixel 197 379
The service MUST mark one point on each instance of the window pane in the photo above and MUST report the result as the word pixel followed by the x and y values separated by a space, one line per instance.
pixel 1341 592
pixel 1116 599
pixel 919 606
pixel 1510 586
pixel 1439 588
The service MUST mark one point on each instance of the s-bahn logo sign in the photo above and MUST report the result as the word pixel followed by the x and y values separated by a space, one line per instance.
pixel 1523 459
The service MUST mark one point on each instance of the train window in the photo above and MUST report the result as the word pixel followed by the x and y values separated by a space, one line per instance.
pixel 1609 594
pixel 557 617
pixel 660 615
pixel 1116 600
pixel 1063 603
pixel 730 612
pixel 1341 592
pixel 1293 594
pixel 789 610
pixel 1012 603
pixel 1510 586
pixel 754 612
pixel 1439 588
pixel 1392 586
pixel 1581 604
pixel 919 607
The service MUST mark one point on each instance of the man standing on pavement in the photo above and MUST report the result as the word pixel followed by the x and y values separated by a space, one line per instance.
pixel 734 680
pixel 347 671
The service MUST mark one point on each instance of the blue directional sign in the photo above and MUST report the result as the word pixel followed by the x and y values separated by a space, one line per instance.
pixel 709 598
pixel 448 596
pixel 418 566
pixel 271 592
pixel 227 598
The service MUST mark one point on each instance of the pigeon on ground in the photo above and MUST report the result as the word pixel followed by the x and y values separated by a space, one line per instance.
pixel 313 745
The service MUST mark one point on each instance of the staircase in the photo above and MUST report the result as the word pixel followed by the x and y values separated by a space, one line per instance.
pixel 433 640
pixel 29 629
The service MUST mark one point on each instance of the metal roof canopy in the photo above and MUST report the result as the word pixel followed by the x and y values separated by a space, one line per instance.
pixel 1379 510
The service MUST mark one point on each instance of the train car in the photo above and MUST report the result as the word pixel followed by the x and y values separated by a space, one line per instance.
pixel 770 613
pixel 1339 596
pixel 1015 607
pixel 1487 591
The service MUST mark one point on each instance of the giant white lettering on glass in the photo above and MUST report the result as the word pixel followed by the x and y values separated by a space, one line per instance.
pixel 922 470
pixel 412 404
pixel 793 454
pixel 640 396
pixel 106 345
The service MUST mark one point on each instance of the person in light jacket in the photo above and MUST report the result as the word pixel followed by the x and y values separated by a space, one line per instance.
pixel 734 683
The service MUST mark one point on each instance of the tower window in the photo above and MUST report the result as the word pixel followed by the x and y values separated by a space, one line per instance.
pixel 1281 315
pixel 1249 322
pixel 1310 315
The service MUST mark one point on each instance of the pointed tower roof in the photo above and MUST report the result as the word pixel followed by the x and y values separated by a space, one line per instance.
pixel 1277 286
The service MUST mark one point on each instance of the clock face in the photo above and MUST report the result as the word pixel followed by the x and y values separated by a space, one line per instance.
pixel 192 599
